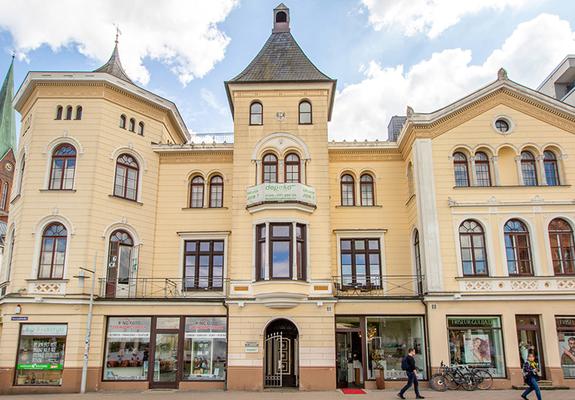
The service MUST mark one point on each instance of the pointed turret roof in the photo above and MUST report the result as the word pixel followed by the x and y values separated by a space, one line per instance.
pixel 7 113
pixel 114 66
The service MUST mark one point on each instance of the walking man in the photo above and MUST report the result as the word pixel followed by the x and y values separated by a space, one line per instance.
pixel 531 376
pixel 408 365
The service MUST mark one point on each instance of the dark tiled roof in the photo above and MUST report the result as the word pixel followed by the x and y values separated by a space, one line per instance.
pixel 114 66
pixel 281 59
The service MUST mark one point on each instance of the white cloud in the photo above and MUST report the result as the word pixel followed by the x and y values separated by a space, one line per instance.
pixel 181 34
pixel 529 54
pixel 210 99
pixel 429 16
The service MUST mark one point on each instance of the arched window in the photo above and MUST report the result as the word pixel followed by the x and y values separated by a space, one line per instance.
pixel 292 168
pixel 482 172
pixel 528 169
pixel 197 192
pixel 461 169
pixel 126 179
pixel 53 252
pixel 562 247
pixel 281 16
pixel 4 198
pixel 216 192
pixel 366 190
pixel 119 260
pixel 63 167
pixel 256 113
pixel 517 248
pixel 270 168
pixel 79 112
pixel 132 126
pixel 59 111
pixel 305 112
pixel 123 121
pixel 347 190
pixel 472 244
pixel 551 170
pixel 141 128
pixel 69 112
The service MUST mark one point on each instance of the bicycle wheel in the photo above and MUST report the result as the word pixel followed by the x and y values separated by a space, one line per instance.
pixel 451 382
pixel 438 382
pixel 483 379
pixel 468 382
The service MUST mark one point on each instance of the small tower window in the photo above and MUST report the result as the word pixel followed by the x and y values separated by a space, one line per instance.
pixel 59 111
pixel 281 16
pixel 132 125
pixel 305 112
pixel 256 113
pixel 141 128
pixel 69 112
pixel 79 112
pixel 123 121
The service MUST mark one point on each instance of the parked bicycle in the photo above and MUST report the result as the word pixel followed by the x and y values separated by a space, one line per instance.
pixel 460 376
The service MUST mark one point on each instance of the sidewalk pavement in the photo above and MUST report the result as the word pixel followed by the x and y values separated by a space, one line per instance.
pixel 295 395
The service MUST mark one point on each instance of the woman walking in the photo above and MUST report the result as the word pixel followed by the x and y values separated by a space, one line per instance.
pixel 531 376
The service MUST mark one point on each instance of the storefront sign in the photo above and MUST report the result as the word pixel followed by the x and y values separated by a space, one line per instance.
pixel 44 330
pixel 40 367
pixel 281 192
pixel 473 322
pixel 251 347
pixel 565 323
pixel 129 328
pixel 205 335
pixel 19 318
pixel 216 324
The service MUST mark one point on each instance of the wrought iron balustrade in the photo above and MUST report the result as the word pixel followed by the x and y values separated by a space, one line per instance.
pixel 162 288
pixel 393 286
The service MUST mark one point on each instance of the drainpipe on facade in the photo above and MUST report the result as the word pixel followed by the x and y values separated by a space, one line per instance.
pixel 227 307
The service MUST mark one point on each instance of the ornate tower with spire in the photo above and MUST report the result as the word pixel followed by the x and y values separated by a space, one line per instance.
pixel 7 141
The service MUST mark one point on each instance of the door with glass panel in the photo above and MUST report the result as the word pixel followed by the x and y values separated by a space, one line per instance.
pixel 165 353
pixel 529 340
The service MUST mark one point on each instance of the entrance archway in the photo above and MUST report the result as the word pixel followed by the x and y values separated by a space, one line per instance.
pixel 281 346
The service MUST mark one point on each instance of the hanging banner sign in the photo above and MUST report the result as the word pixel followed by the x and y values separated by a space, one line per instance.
pixel 280 192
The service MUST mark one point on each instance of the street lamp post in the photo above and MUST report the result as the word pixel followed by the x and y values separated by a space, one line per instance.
pixel 88 324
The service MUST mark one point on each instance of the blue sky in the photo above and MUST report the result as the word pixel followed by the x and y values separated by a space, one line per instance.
pixel 382 62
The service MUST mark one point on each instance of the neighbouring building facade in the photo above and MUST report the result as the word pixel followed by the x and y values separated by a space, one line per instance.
pixel 283 259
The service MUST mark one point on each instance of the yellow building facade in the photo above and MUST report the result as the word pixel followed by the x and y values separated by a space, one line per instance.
pixel 283 259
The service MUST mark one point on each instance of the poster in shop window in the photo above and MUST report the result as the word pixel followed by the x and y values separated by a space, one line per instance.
pixel 567 352
pixel 477 349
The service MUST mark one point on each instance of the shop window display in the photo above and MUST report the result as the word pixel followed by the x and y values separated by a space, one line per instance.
pixel 41 354
pixel 205 348
pixel 127 349
pixel 566 337
pixel 388 339
pixel 477 341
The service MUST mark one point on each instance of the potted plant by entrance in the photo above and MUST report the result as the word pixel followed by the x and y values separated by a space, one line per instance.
pixel 379 367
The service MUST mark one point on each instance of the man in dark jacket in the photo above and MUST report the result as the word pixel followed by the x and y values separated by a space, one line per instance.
pixel 408 365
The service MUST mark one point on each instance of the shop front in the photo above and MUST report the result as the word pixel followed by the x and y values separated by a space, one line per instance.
pixel 566 338
pixel 165 351
pixel 370 345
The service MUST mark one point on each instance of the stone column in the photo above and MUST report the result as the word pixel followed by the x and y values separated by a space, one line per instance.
pixel 495 165
pixel 542 179
pixel 519 171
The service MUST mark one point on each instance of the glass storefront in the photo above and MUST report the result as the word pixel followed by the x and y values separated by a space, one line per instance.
pixel 205 348
pixel 566 337
pixel 127 349
pixel 41 354
pixel 388 339
pixel 477 341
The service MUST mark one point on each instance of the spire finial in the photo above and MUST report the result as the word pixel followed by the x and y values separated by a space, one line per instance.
pixel 13 55
pixel 118 33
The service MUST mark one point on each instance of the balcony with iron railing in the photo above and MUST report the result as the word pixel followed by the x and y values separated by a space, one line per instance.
pixel 380 286
pixel 163 288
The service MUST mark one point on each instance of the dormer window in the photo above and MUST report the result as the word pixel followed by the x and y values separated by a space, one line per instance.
pixel 281 16
pixel 256 113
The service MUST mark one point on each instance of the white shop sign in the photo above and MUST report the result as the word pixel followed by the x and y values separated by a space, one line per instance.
pixel 280 192
pixel 44 330
pixel 205 335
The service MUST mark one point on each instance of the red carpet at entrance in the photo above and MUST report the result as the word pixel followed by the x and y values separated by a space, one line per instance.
pixel 353 391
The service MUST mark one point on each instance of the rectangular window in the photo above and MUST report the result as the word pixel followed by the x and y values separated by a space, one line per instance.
pixel 275 251
pixel 388 339
pixel 566 338
pixel 203 264
pixel 360 263
pixel 40 359
pixel 127 349
pixel 477 341
pixel 205 348
pixel 4 198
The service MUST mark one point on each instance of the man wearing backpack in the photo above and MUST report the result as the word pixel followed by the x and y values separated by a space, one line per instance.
pixel 408 365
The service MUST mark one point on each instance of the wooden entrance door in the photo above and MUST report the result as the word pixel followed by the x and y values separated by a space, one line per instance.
pixel 529 340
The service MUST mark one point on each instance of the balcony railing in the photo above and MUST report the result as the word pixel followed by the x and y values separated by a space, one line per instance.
pixel 162 288
pixel 389 286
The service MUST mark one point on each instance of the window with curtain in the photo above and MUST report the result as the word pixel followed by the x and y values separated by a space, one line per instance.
pixel 551 168
pixel 197 192
pixel 528 169
pixel 347 190
pixel 292 168
pixel 562 247
pixel 119 257
pixel 460 169
pixel 517 248
pixel 366 190
pixel 472 246
pixel 53 252
pixel 256 113
pixel 270 168
pixel 305 113
pixel 126 178
pixel 216 191
pixel 63 167
pixel 482 172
